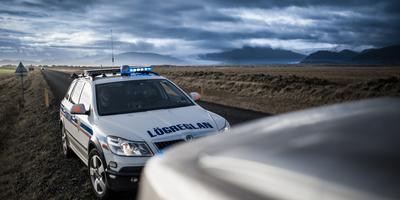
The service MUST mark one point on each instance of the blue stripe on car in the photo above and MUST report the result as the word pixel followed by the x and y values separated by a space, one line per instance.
pixel 86 128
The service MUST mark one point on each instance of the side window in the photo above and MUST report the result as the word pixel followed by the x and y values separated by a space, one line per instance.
pixel 77 92
pixel 86 96
pixel 168 90
pixel 71 87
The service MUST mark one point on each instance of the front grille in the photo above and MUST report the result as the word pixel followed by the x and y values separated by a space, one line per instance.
pixel 165 144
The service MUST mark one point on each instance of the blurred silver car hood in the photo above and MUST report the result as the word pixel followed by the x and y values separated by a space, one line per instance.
pixel 344 151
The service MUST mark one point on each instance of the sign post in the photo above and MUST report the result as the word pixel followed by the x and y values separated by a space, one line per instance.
pixel 21 72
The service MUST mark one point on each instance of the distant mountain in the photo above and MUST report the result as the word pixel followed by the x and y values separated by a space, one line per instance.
pixel 385 55
pixel 255 55
pixel 330 57
pixel 137 58
pixel 348 53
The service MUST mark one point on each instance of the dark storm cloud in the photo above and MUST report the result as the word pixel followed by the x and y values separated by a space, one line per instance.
pixel 190 27
pixel 169 21
pixel 22 13
pixel 72 5
pixel 9 43
pixel 9 38
pixel 76 47
pixel 4 31
pixel 303 3
pixel 125 46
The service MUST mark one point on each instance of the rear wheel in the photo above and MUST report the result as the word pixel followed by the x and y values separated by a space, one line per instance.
pixel 65 144
pixel 97 175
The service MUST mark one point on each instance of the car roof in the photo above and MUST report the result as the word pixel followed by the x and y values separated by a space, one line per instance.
pixel 111 79
pixel 345 151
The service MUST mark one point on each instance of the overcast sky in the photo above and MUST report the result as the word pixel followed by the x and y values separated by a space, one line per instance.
pixel 59 28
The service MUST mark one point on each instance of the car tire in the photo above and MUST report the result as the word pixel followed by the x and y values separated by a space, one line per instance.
pixel 97 175
pixel 67 152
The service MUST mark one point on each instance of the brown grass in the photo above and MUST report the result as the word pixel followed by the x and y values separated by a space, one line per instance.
pixel 278 89
pixel 32 163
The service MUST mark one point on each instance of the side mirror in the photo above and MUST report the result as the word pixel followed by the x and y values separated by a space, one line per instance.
pixel 79 109
pixel 195 96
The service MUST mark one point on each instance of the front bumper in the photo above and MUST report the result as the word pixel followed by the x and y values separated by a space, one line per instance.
pixel 125 179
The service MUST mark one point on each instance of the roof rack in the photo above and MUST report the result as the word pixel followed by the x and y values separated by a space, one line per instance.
pixel 97 72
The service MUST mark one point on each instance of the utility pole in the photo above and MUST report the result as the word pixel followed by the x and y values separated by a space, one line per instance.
pixel 22 88
pixel 112 49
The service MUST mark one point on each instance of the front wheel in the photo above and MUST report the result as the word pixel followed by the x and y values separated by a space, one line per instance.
pixel 97 175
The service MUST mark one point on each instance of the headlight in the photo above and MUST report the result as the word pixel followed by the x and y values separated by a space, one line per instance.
pixel 226 127
pixel 124 147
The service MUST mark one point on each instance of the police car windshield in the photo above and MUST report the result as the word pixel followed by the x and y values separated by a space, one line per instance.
pixel 138 95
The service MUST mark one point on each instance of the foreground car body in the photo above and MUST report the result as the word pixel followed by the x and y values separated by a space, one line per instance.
pixel 346 151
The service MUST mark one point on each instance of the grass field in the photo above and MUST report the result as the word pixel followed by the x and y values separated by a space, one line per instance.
pixel 279 88
pixel 6 71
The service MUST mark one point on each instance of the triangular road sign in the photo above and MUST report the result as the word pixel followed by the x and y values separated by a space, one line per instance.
pixel 21 70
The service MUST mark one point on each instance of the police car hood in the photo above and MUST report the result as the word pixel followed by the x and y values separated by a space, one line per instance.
pixel 161 125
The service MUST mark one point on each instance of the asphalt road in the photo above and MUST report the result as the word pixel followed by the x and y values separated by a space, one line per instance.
pixel 60 81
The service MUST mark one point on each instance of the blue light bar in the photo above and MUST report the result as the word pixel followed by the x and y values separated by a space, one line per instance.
pixel 128 70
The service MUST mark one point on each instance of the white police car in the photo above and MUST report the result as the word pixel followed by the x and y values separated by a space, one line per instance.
pixel 116 119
